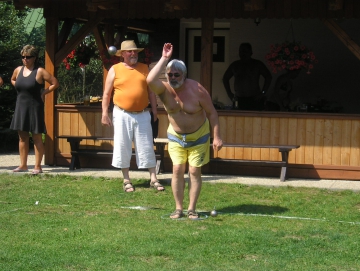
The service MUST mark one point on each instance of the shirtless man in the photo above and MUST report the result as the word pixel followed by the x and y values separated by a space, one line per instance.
pixel 190 113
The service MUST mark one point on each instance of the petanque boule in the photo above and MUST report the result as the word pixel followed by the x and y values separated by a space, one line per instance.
pixel 112 50
pixel 213 213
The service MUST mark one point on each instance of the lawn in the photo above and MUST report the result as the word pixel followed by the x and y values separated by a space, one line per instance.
pixel 82 223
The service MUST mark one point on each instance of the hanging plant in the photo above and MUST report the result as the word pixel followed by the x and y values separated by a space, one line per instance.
pixel 145 56
pixel 108 60
pixel 81 55
pixel 290 56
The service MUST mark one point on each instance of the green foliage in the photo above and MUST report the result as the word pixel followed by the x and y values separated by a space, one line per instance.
pixel 12 39
pixel 37 38
pixel 86 223
pixel 76 79
pixel 71 82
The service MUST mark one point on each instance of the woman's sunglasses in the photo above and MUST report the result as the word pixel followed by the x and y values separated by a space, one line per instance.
pixel 173 74
pixel 27 57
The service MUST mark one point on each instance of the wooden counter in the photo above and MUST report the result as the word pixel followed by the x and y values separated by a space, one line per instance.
pixel 330 143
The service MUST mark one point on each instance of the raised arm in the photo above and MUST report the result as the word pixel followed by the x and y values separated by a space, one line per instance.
pixel 155 84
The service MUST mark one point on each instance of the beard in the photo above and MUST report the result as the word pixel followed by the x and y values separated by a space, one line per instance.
pixel 133 60
pixel 176 84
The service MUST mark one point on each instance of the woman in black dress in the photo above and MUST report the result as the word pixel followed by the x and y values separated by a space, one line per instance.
pixel 28 81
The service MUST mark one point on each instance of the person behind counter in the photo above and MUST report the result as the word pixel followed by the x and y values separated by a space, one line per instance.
pixel 247 72
pixel 28 81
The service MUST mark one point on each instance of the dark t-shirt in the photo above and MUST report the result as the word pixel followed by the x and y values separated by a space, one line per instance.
pixel 247 75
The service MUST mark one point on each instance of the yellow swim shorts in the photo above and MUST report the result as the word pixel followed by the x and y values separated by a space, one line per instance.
pixel 194 147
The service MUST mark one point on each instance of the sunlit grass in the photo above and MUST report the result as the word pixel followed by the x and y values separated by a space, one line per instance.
pixel 85 223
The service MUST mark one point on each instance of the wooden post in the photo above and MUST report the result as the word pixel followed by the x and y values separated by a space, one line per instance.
pixel 50 99
pixel 207 30
pixel 109 41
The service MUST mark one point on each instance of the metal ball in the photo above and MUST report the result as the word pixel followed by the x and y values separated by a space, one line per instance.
pixel 112 50
pixel 213 213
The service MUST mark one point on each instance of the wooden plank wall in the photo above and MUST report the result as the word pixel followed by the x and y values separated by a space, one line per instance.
pixel 323 141
pixel 85 123
pixel 326 140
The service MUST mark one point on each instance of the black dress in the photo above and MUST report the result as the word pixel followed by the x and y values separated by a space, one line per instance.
pixel 29 109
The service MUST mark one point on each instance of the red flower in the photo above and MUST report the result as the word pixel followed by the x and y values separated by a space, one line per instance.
pixel 108 60
pixel 290 56
pixel 81 55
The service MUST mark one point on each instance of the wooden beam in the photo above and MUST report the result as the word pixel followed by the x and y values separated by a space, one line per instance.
pixel 343 37
pixel 102 45
pixel 50 99
pixel 207 30
pixel 65 31
pixel 76 39
pixel 99 38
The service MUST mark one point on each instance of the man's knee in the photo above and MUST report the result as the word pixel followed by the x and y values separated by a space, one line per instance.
pixel 195 171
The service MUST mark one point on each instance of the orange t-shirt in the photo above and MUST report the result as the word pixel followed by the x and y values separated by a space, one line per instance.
pixel 130 87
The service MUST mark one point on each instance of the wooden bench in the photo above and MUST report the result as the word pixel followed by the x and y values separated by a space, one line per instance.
pixel 284 149
pixel 77 151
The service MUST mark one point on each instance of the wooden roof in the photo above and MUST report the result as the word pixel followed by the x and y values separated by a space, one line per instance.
pixel 220 9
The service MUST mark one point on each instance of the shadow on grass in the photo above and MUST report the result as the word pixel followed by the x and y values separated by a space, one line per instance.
pixel 145 183
pixel 254 209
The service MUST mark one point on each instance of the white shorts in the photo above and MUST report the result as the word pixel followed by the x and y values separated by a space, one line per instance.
pixel 128 128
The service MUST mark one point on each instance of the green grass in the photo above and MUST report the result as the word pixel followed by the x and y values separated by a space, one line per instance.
pixel 80 223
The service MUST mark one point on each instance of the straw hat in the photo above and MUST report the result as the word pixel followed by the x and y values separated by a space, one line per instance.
pixel 128 45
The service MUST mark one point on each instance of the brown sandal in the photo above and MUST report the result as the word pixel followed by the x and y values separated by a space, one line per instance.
pixel 156 185
pixel 177 214
pixel 127 186
pixel 192 214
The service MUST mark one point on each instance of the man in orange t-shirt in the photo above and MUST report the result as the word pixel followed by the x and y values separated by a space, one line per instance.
pixel 131 119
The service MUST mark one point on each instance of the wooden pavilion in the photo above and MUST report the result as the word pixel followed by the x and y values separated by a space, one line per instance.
pixel 332 150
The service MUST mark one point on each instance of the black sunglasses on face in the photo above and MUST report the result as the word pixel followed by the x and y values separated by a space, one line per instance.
pixel 174 74
pixel 27 57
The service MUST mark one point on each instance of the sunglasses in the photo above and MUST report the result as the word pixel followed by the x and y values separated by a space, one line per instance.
pixel 27 57
pixel 174 74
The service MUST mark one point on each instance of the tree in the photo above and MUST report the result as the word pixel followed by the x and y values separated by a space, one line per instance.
pixel 12 39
